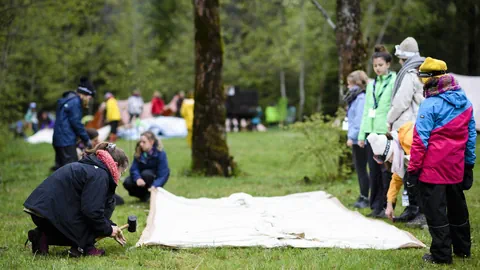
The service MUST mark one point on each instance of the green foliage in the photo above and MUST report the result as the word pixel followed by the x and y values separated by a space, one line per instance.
pixel 324 146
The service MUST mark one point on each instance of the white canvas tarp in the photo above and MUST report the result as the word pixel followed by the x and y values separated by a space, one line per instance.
pixel 46 135
pixel 303 220
pixel 471 86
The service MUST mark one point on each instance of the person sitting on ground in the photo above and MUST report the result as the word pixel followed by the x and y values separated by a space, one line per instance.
pixel 44 120
pixel 149 167
pixel 73 206
pixel 441 161
pixel 397 148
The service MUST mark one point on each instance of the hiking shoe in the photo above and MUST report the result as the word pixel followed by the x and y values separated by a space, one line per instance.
pixel 39 242
pixel 75 252
pixel 408 214
pixel 430 259
pixel 361 203
pixel 418 222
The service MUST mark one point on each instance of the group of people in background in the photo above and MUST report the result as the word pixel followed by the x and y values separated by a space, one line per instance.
pixel 414 128
pixel 74 205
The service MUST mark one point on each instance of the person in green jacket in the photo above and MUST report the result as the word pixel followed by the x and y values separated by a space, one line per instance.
pixel 374 120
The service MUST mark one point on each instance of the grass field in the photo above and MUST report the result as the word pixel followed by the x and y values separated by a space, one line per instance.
pixel 267 170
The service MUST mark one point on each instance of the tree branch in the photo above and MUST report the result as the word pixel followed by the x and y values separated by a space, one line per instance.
pixel 324 12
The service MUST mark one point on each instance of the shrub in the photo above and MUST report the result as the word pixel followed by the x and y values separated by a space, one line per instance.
pixel 324 145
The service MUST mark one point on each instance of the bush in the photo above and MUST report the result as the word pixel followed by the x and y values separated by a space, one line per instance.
pixel 325 146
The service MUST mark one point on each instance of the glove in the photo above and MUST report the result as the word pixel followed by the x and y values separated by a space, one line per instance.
pixel 467 177
pixel 411 179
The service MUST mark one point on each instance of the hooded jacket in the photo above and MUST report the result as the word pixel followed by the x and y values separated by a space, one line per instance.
pixel 78 200
pixel 444 135
pixel 112 110
pixel 156 161
pixel 68 123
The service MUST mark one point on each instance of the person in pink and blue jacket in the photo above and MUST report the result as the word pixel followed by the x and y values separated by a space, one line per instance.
pixel 442 160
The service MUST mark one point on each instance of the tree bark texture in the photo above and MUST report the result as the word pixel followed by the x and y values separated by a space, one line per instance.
pixel 350 47
pixel 210 154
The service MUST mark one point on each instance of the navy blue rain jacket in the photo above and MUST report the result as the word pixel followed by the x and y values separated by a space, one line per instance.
pixel 157 162
pixel 68 123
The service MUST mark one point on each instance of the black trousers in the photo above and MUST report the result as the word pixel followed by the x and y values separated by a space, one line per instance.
pixel 359 156
pixel 446 212
pixel 379 182
pixel 140 192
pixel 65 155
pixel 113 127
pixel 54 236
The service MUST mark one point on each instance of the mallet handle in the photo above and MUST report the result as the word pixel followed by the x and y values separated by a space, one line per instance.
pixel 121 228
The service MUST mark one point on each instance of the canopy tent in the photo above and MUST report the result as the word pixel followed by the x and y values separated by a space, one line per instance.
pixel 303 220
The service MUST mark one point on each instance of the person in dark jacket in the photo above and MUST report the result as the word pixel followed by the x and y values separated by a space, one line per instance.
pixel 149 167
pixel 68 125
pixel 73 206
pixel 441 161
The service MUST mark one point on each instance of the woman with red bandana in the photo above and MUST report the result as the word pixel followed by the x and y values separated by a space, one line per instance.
pixel 73 206
pixel 441 161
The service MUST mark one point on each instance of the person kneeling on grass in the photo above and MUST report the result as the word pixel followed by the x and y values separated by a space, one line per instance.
pixel 149 167
pixel 73 206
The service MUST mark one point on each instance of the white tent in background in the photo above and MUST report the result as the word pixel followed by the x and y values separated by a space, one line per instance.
pixel 471 86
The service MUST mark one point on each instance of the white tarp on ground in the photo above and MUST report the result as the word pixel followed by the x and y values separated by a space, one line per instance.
pixel 471 86
pixel 163 126
pixel 303 220
pixel 46 135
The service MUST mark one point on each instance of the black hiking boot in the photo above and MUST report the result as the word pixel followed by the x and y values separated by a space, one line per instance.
pixel 430 259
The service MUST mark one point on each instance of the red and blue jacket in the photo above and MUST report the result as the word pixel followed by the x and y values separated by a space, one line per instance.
pixel 444 135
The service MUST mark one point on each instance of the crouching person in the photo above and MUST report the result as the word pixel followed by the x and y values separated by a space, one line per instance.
pixel 73 206
pixel 149 167
pixel 442 159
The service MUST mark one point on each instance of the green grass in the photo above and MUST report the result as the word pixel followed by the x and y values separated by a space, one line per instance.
pixel 267 170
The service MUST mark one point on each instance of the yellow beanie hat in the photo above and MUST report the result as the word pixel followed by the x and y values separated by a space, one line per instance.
pixel 436 67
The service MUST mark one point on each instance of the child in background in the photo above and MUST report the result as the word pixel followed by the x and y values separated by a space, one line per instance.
pixel 374 120
pixel 112 115
pixel 157 104
pixel 442 160
pixel 355 100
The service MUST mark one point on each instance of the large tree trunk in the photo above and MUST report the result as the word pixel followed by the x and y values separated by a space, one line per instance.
pixel 351 50
pixel 473 19
pixel 209 149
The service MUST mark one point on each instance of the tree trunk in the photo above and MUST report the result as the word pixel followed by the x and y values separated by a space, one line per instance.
pixel 209 147
pixel 473 33
pixel 301 79
pixel 283 89
pixel 350 47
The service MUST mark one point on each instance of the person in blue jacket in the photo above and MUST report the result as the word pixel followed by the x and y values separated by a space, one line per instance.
pixel 149 167
pixel 355 100
pixel 68 125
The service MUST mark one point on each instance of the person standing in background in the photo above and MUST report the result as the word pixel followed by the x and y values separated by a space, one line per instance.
pixel 157 104
pixel 112 115
pixel 135 105
pixel 31 117
pixel 187 112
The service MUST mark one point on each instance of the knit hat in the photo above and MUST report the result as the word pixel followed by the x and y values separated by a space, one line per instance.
pixel 381 147
pixel 432 68
pixel 407 49
pixel 85 87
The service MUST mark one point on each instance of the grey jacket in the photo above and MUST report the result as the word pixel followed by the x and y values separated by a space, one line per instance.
pixel 406 101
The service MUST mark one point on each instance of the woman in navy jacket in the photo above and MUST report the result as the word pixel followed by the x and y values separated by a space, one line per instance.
pixel 73 206
pixel 149 167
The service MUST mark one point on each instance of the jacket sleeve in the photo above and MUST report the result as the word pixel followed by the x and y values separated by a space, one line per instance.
pixel 75 120
pixel 421 134
pixel 134 170
pixel 94 195
pixel 402 99
pixel 470 156
pixel 357 114
pixel 163 172
pixel 366 106
pixel 394 188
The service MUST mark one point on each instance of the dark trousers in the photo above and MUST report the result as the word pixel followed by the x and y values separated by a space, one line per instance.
pixel 359 155
pixel 54 236
pixel 65 155
pixel 140 192
pixel 113 127
pixel 446 212
pixel 379 182
pixel 413 196
pixel 133 115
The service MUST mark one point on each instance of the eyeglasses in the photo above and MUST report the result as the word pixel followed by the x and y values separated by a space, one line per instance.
pixel 424 74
